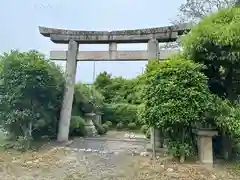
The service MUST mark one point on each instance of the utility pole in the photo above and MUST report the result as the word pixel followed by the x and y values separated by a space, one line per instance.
pixel 94 70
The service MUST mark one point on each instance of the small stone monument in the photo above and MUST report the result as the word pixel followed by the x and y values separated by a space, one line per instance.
pixel 158 141
pixel 204 140
pixel 99 117
pixel 90 128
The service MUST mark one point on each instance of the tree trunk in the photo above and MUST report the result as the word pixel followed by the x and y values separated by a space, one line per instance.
pixel 153 144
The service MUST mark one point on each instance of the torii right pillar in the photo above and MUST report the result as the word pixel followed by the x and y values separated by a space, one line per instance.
pixel 153 53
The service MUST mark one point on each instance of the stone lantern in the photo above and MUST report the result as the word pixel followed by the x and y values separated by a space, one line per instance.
pixel 89 125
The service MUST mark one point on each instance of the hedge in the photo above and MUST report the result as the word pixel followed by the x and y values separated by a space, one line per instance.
pixel 124 113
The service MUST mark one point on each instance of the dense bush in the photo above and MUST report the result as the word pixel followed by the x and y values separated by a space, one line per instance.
pixel 227 118
pixel 215 43
pixel 77 126
pixel 125 113
pixel 105 127
pixel 86 99
pixel 109 124
pixel 176 96
pixel 121 97
pixel 144 129
pixel 119 90
pixel 120 126
pixel 148 134
pixel 132 126
pixel 101 129
pixel 31 94
pixel 102 83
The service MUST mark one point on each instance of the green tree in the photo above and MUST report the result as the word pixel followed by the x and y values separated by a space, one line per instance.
pixel 175 97
pixel 102 83
pixel 196 10
pixel 121 97
pixel 227 117
pixel 214 42
pixel 86 99
pixel 120 113
pixel 193 11
pixel 31 95
pixel 118 89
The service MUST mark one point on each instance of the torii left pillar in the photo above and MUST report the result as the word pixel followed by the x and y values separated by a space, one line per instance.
pixel 70 75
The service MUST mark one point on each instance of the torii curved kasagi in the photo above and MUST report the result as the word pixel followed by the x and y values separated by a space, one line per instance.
pixel 162 34
pixel 73 38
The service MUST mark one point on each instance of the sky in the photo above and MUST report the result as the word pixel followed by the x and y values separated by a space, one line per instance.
pixel 20 20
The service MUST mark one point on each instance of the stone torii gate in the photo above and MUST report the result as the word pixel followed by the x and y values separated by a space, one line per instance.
pixel 73 38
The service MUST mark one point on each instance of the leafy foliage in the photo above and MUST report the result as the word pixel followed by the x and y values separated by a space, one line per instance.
pixel 86 99
pixel 148 134
pixel 215 43
pixel 228 117
pixel 195 10
pixel 176 92
pixel 144 128
pixel 105 127
pixel 31 94
pixel 180 149
pixel 118 89
pixel 132 126
pixel 125 113
pixel 176 96
pixel 120 126
pixel 101 129
pixel 108 123
pixel 121 97
pixel 105 85
pixel 77 126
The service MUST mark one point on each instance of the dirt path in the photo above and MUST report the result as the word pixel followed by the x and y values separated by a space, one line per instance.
pixel 101 159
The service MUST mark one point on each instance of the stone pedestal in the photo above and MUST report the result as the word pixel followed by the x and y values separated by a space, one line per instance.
pixel 205 150
pixel 89 125
pixel 157 137
pixel 99 118
pixel 226 147
pixel 158 141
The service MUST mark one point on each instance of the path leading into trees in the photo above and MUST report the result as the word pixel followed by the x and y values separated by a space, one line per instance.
pixel 113 143
pixel 113 157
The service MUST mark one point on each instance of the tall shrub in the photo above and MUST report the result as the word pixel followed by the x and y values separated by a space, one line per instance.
pixel 214 42
pixel 116 113
pixel 117 89
pixel 86 99
pixel 31 95
pixel 175 97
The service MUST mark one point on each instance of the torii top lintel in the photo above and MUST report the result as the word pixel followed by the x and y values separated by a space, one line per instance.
pixel 162 34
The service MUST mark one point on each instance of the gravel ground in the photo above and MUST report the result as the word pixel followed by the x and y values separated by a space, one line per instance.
pixel 101 160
